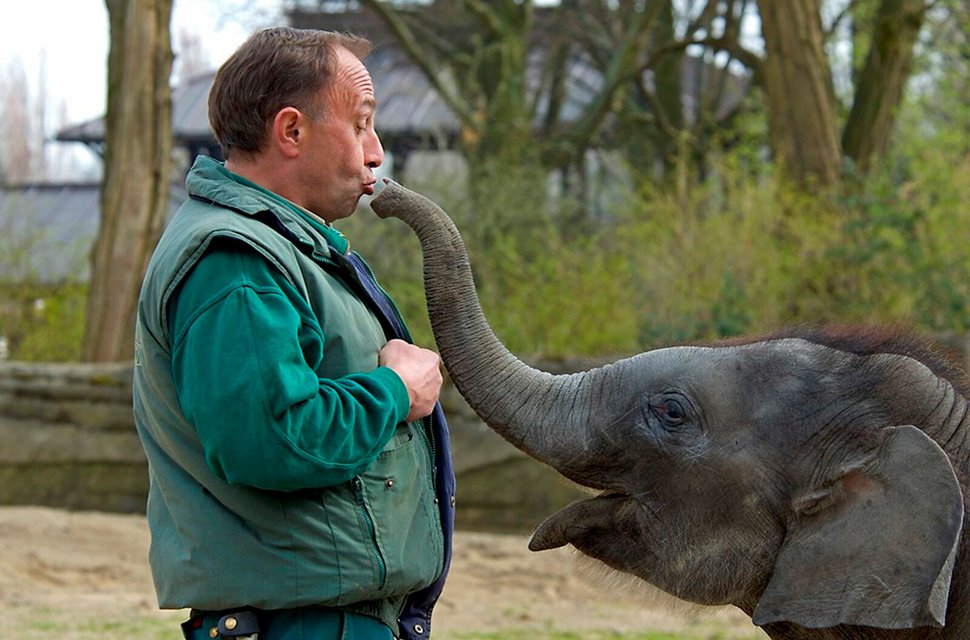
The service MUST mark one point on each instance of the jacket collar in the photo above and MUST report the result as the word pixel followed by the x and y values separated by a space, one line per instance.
pixel 210 180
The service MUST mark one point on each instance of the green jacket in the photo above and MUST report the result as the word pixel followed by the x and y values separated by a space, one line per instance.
pixel 282 473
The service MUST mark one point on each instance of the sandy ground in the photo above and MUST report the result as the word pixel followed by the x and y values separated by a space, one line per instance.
pixel 60 572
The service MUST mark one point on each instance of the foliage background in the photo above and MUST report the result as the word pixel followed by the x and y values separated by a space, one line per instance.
pixel 739 252
pixel 720 244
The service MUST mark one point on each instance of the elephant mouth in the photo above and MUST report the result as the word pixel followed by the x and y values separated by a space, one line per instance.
pixel 613 494
pixel 613 497
pixel 577 520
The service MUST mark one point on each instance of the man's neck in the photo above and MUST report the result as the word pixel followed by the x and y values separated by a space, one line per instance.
pixel 254 172
pixel 251 172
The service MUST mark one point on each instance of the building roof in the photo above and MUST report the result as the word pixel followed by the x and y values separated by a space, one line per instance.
pixel 410 112
pixel 190 116
pixel 47 230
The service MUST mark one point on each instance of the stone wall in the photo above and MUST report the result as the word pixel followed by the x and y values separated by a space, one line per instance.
pixel 67 440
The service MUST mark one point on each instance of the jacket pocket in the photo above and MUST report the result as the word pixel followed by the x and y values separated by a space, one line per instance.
pixel 399 498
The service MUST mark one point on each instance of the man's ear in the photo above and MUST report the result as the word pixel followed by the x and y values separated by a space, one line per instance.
pixel 286 131
pixel 876 546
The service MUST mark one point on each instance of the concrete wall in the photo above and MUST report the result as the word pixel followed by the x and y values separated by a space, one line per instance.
pixel 67 440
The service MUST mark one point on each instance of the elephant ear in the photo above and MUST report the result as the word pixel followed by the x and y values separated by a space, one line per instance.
pixel 876 546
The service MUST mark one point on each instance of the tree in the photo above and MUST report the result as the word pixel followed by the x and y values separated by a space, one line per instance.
pixel 879 90
pixel 191 59
pixel 539 86
pixel 797 83
pixel 503 68
pixel 22 155
pixel 683 104
pixel 479 57
pixel 134 196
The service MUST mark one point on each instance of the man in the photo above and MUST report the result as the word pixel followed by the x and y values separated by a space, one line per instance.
pixel 301 482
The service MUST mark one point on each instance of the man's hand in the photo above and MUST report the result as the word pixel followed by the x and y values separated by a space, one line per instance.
pixel 420 369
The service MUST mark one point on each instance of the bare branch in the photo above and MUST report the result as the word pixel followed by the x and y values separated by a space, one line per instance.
pixel 406 38
pixel 704 19
pixel 739 53
pixel 623 68
pixel 481 9
pixel 666 126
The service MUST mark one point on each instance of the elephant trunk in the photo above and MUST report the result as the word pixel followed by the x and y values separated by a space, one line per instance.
pixel 546 416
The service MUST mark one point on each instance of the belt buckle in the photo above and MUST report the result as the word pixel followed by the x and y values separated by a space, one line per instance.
pixel 239 625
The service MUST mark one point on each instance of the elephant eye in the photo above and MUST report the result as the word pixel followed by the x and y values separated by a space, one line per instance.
pixel 670 412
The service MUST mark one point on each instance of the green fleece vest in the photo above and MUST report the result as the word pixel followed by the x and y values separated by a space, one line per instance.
pixel 362 545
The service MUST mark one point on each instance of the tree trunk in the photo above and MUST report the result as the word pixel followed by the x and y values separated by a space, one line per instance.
pixel 668 79
pixel 134 192
pixel 879 90
pixel 797 82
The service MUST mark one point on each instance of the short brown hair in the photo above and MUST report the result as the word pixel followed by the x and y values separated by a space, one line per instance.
pixel 275 68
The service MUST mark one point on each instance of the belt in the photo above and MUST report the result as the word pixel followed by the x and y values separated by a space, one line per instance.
pixel 241 625
pixel 254 624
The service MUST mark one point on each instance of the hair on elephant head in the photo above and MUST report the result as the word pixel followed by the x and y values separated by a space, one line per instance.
pixel 814 479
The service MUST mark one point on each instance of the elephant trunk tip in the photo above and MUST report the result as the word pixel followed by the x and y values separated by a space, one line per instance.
pixel 387 199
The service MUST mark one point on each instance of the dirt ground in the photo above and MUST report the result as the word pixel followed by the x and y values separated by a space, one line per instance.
pixel 58 568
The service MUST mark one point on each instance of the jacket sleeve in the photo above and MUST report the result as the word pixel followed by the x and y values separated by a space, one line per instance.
pixel 241 337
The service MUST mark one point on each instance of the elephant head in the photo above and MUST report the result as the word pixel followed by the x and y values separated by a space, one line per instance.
pixel 811 480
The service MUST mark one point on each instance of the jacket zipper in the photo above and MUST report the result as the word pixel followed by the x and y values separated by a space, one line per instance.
pixel 397 312
pixel 381 566
pixel 427 433
pixel 427 428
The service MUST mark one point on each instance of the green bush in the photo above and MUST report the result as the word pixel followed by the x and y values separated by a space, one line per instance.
pixel 739 252
pixel 43 323
pixel 762 254
pixel 545 287
pixel 736 253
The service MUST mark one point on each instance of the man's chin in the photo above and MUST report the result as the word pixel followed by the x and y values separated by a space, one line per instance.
pixel 333 214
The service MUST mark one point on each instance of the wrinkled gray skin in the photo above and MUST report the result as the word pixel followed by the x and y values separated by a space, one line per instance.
pixel 818 490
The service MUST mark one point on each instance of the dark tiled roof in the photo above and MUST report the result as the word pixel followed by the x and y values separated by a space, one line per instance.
pixel 411 113
pixel 190 116
pixel 409 109
pixel 408 105
pixel 47 230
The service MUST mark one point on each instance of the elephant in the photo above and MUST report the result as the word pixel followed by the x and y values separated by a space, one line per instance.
pixel 814 478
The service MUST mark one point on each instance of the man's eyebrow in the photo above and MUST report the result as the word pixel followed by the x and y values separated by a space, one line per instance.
pixel 369 103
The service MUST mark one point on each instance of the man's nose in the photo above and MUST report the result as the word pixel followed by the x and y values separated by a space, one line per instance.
pixel 373 151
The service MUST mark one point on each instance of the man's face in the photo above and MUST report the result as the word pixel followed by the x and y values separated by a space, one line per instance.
pixel 338 165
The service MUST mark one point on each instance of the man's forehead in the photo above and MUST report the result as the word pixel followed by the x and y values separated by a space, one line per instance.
pixel 352 79
pixel 352 69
